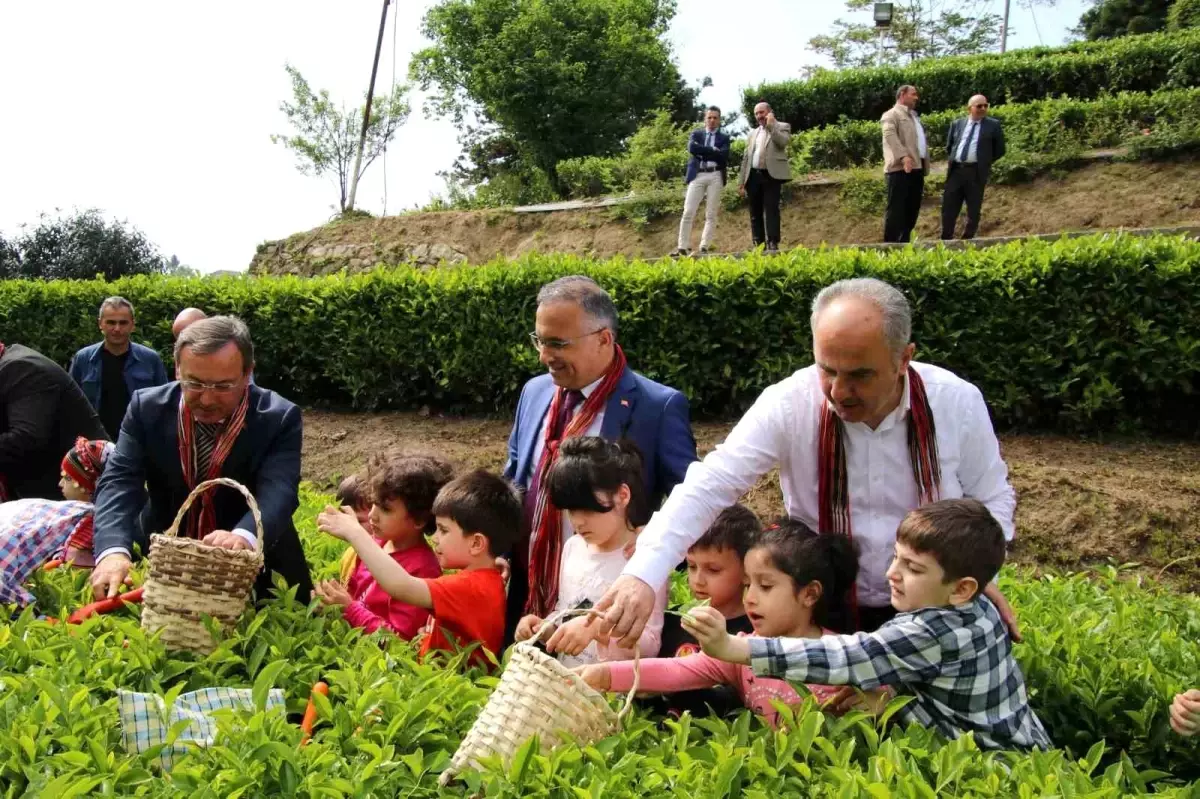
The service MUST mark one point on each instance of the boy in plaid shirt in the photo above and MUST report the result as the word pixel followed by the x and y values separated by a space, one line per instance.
pixel 947 647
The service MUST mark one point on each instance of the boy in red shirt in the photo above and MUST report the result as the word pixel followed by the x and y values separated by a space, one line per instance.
pixel 478 515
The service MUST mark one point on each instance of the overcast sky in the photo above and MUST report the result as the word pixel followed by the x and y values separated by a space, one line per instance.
pixel 160 111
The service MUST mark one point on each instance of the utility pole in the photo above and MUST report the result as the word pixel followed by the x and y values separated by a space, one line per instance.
pixel 1004 29
pixel 362 140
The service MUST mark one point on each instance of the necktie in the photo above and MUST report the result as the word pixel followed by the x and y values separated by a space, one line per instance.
pixel 965 149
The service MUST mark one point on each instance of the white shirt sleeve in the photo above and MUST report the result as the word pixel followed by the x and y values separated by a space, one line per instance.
pixel 753 447
pixel 250 537
pixel 982 473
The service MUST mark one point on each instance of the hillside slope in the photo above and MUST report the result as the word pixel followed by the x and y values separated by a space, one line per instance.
pixel 1099 196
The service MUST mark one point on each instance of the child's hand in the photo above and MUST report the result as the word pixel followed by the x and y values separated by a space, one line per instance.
pixel 339 523
pixel 527 626
pixel 707 626
pixel 1185 713
pixel 573 637
pixel 850 698
pixel 332 592
pixel 504 569
pixel 596 676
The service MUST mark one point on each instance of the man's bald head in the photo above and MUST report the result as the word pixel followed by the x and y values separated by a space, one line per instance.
pixel 978 106
pixel 185 318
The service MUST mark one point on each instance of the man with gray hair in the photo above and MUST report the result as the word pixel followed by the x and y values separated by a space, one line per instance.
pixel 589 391
pixel 765 168
pixel 211 423
pixel 111 370
pixel 861 437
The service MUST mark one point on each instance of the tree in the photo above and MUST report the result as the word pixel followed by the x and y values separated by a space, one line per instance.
pixel 553 79
pixel 174 268
pixel 1107 19
pixel 326 135
pixel 79 247
pixel 920 29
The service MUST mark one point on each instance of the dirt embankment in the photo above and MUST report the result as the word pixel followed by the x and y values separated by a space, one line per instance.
pixel 1079 503
pixel 1100 196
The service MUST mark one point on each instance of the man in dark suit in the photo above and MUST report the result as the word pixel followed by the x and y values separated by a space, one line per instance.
pixel 210 423
pixel 706 175
pixel 42 412
pixel 974 142
pixel 594 393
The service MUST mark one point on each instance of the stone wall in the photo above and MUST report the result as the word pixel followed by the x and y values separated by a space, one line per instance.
pixel 308 257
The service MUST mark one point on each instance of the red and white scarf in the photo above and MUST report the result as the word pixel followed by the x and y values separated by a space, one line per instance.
pixel 546 525
pixel 833 485
pixel 202 518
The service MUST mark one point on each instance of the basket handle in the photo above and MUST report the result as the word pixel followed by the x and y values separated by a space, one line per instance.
pixel 173 530
pixel 549 623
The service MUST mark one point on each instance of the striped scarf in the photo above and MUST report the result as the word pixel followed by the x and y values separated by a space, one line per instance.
pixel 833 485
pixel 202 452
pixel 546 526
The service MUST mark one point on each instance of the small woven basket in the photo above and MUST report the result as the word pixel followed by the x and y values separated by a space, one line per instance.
pixel 539 696
pixel 189 579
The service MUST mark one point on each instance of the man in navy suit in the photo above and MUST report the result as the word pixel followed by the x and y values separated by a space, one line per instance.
pixel 211 422
pixel 972 144
pixel 705 178
pixel 576 337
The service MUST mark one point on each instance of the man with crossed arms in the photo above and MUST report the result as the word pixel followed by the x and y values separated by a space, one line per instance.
pixel 849 415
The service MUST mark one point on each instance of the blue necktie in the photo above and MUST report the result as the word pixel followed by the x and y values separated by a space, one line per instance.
pixel 965 149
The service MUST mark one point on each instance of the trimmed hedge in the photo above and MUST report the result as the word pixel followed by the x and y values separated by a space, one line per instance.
pixel 1101 332
pixel 1041 126
pixel 1130 63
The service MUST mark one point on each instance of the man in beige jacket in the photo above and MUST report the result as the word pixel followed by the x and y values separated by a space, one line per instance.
pixel 905 165
pixel 764 170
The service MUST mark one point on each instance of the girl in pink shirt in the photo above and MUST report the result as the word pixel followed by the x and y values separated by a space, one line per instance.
pixel 401 488
pixel 795 579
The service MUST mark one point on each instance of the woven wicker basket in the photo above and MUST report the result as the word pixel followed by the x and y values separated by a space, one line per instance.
pixel 189 580
pixel 539 696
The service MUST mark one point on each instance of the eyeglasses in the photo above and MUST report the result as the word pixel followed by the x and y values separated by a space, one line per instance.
pixel 195 386
pixel 559 343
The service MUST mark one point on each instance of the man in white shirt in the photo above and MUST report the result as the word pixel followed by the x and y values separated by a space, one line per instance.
pixel 765 169
pixel 861 437
pixel 905 165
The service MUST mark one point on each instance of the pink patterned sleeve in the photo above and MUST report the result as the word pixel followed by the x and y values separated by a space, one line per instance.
pixel 668 675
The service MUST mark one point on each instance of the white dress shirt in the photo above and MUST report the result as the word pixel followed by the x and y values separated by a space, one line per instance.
pixel 968 151
pixel 781 429
pixel 922 144
pixel 760 147
pixel 539 444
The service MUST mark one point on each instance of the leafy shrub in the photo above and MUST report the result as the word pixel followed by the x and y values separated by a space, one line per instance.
pixel 1100 332
pixel 1042 126
pixel 1100 658
pixel 1130 63
pixel 1183 14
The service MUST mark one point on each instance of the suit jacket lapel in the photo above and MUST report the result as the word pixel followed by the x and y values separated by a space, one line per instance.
pixel 619 409
pixel 535 415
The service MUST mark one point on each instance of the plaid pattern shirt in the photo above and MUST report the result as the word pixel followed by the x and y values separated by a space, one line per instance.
pixel 32 531
pixel 957 662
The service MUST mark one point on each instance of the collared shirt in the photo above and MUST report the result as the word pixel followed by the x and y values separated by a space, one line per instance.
pixel 781 430
pixel 710 140
pixel 539 444
pixel 956 662
pixel 968 151
pixel 760 147
pixel 922 144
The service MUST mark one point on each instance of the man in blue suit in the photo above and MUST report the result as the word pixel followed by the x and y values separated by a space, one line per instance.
pixel 111 370
pixel 706 173
pixel 595 393
pixel 211 423
pixel 973 144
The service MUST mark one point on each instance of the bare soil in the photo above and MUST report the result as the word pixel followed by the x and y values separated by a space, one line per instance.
pixel 1098 196
pixel 1080 503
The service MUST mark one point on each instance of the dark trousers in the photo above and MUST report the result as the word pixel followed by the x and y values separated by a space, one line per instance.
pixel 763 191
pixel 963 182
pixel 904 190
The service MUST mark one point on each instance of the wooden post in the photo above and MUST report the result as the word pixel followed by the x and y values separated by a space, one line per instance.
pixel 362 140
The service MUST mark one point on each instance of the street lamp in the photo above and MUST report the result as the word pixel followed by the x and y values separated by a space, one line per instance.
pixel 883 21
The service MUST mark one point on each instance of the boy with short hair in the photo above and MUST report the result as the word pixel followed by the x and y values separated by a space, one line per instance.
pixel 477 516
pixel 948 647
pixel 715 573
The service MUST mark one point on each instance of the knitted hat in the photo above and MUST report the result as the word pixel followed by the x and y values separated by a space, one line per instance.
pixel 84 462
